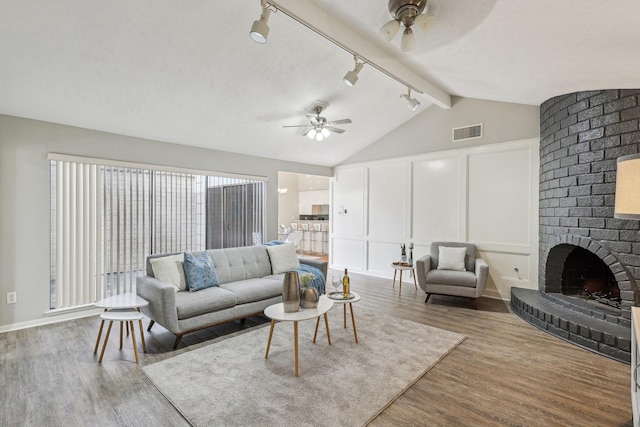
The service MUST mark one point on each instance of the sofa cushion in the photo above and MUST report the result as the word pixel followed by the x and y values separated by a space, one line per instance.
pixel 204 301
pixel 199 271
pixel 169 269
pixel 254 289
pixel 451 277
pixel 283 258
pixel 450 258
pixel 247 262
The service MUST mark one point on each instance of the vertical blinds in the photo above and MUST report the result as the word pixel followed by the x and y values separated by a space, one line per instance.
pixel 106 219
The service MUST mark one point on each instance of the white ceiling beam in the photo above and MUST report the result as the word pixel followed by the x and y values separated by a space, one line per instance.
pixel 318 20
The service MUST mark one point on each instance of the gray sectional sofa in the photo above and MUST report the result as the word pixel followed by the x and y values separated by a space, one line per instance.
pixel 247 285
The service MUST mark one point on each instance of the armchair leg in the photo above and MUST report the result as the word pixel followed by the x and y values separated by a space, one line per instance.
pixel 151 323
pixel 428 296
pixel 472 303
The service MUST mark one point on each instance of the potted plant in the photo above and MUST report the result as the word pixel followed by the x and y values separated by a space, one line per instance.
pixel 403 252
pixel 309 296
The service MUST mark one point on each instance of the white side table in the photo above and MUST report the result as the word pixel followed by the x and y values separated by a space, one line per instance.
pixel 402 268
pixel 128 316
pixel 345 302
pixel 122 302
pixel 276 312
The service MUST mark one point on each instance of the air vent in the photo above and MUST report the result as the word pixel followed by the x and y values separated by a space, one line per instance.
pixel 466 132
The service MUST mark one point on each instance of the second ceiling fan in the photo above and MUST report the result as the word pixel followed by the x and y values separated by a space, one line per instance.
pixel 319 127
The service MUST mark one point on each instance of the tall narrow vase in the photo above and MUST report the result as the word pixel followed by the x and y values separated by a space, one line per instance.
pixel 291 292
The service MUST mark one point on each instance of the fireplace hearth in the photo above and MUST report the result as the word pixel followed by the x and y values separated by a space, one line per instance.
pixel 588 260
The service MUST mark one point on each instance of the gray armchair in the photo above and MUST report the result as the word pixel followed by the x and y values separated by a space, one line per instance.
pixel 469 283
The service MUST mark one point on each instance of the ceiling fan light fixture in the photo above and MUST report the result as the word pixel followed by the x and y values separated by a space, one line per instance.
pixel 325 133
pixel 389 30
pixel 351 77
pixel 407 13
pixel 424 22
pixel 311 134
pixel 260 29
pixel 408 41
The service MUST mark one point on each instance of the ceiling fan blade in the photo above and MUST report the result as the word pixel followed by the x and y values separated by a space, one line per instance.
pixel 296 126
pixel 339 122
pixel 332 129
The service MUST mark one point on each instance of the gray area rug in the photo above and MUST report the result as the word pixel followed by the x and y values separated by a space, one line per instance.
pixel 230 383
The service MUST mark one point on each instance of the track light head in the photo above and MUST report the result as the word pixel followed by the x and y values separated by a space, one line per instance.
pixel 412 103
pixel 260 29
pixel 351 77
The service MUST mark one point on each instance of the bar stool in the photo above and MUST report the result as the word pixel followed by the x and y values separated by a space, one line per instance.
pixel 127 316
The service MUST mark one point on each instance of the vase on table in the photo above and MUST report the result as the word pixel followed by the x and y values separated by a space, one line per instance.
pixel 309 297
pixel 291 292
pixel 403 258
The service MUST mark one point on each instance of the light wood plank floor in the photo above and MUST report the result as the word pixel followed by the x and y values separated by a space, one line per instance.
pixel 505 373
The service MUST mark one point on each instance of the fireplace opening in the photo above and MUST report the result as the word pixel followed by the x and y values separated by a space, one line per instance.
pixel 577 272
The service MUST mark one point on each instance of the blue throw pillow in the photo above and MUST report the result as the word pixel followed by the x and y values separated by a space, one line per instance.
pixel 200 272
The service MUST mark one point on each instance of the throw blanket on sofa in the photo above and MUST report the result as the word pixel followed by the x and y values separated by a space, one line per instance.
pixel 318 282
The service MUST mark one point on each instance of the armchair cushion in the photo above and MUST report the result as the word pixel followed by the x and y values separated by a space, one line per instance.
pixel 452 278
pixel 451 258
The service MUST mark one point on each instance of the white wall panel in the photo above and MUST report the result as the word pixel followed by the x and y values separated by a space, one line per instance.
pixel 437 195
pixel 500 197
pixel 347 209
pixel 388 200
pixel 381 255
pixel 503 275
pixel 485 195
pixel 346 253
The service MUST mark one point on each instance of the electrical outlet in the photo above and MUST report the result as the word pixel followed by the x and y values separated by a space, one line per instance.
pixel 12 297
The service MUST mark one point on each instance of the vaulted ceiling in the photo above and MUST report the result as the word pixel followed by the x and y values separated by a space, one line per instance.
pixel 187 72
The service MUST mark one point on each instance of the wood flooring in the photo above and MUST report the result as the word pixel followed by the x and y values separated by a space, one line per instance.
pixel 506 373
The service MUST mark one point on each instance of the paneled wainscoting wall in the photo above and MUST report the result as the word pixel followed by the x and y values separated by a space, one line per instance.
pixel 487 195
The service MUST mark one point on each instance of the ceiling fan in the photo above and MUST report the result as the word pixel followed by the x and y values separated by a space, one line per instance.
pixel 320 128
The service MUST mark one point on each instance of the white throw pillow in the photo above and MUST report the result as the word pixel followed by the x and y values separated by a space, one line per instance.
pixel 283 258
pixel 170 269
pixel 451 258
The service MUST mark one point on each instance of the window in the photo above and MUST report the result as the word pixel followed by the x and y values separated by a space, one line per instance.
pixel 107 217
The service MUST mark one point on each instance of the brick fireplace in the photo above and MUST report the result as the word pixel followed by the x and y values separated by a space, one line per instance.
pixel 588 260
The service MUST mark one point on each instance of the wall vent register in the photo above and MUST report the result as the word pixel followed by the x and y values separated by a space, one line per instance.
pixel 466 132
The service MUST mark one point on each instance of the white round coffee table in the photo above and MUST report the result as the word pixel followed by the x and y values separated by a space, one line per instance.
pixel 122 302
pixel 276 313
pixel 344 303
pixel 401 268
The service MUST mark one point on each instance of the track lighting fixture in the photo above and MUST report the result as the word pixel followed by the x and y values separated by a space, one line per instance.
pixel 351 77
pixel 412 103
pixel 260 30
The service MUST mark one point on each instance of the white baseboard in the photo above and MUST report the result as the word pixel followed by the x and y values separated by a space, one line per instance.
pixel 49 319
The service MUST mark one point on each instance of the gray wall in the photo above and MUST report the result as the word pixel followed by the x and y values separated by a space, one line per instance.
pixel 430 130
pixel 24 195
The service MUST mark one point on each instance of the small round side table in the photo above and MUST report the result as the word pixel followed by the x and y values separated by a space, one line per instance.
pixel 401 268
pixel 344 303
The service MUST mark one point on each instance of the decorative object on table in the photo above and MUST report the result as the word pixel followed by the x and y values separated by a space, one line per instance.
pixel 402 264
pixel 403 252
pixel 346 285
pixel 309 296
pixel 291 292
pixel 411 253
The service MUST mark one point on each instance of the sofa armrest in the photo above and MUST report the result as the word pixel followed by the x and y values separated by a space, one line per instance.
pixel 162 301
pixel 423 266
pixel 482 272
pixel 320 265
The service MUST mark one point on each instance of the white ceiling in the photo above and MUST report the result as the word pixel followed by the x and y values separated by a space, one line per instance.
pixel 187 72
